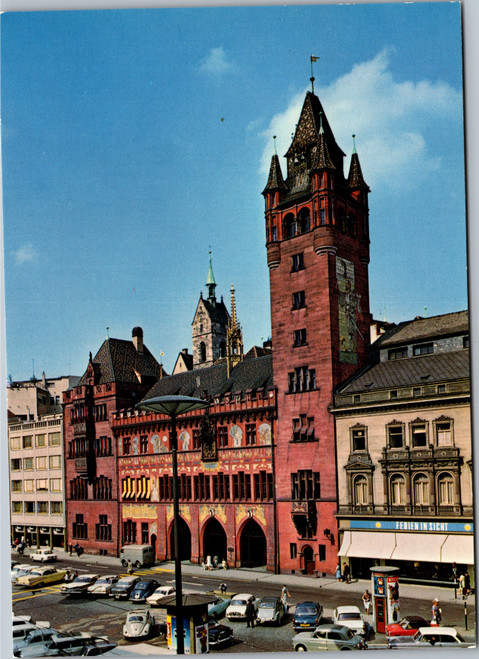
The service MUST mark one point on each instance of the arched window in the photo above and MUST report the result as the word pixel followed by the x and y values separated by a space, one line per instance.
pixel 202 352
pixel 398 490
pixel 360 491
pixel 445 489
pixel 290 226
pixel 421 490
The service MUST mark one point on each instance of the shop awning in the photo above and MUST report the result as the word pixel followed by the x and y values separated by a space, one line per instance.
pixel 368 544
pixel 419 547
pixel 459 549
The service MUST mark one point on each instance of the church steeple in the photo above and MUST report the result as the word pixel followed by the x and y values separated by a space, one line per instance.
pixel 211 283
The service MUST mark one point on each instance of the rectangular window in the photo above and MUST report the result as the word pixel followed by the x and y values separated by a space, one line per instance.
pixel 29 507
pixel 397 353
pixel 16 443
pixel 53 439
pixel 443 433
pixel 395 436
pixel 222 436
pixel 441 388
pixel 251 434
pixel 305 485
pixel 29 485
pixel 16 486
pixel 299 337
pixel 423 349
pixel 16 464
pixel 79 528
pixel 416 392
pixel 103 529
pixel 419 435
pixel 28 463
pixel 143 443
pixel 42 507
pixel 28 441
pixel 56 507
pixel 297 262
pixel 42 485
pixel 322 216
pixel 465 341
pixel 56 484
pixel 241 486
pixel 40 440
pixel 17 506
pixel 293 550
pixel 145 535
pixel 302 379
pixel 129 532
pixel 322 552
pixel 393 394
pixel 126 445
pixel 358 436
pixel 299 300
pixel 55 462
pixel 303 429
pixel 196 439
pixel 42 462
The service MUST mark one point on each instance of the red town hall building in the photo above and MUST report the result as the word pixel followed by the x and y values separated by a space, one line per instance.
pixel 257 470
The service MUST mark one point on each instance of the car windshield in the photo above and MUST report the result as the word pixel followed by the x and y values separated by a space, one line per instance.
pixel 82 579
pixel 136 618
pixel 238 602
pixel 349 633
pixel 124 582
pixel 141 584
pixel 305 611
pixel 36 572
pixel 266 605
pixel 349 616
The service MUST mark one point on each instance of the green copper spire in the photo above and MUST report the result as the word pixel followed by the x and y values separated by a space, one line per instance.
pixel 211 283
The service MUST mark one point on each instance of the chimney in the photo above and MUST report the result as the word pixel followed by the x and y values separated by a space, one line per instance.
pixel 137 335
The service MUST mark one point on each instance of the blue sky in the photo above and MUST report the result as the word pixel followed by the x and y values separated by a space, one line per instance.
pixel 135 140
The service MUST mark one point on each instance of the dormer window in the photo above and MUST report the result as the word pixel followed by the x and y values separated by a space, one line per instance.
pixel 423 349
pixel 397 353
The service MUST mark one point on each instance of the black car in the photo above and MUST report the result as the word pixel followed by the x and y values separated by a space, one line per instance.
pixel 143 589
pixel 123 588
pixel 307 616
pixel 219 635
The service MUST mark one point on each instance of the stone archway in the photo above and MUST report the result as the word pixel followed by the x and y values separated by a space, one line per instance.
pixel 308 555
pixel 184 540
pixel 252 545
pixel 214 540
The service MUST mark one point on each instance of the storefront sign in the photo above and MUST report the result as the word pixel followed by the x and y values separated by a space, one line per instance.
pixel 417 525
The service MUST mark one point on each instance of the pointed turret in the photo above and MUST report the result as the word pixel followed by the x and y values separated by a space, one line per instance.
pixel 211 283
pixel 275 178
pixel 321 158
pixel 234 338
pixel 355 177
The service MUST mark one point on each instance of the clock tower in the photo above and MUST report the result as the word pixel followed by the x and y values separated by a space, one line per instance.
pixel 317 240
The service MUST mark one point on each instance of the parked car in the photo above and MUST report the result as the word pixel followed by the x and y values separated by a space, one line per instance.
pixel 98 646
pixel 69 645
pixel 43 555
pixel 407 626
pixel 80 585
pixel 20 620
pixel 217 608
pixel 143 589
pixel 159 594
pixel 349 616
pixel 20 570
pixel 123 587
pixel 34 639
pixel 139 555
pixel 237 607
pixel 425 637
pixel 270 609
pixel 20 632
pixel 307 615
pixel 103 585
pixel 219 635
pixel 328 637
pixel 40 576
pixel 139 623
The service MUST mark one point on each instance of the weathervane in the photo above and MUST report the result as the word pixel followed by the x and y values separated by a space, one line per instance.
pixel 313 59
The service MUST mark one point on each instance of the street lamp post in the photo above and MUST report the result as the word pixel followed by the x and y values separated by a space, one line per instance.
pixel 172 406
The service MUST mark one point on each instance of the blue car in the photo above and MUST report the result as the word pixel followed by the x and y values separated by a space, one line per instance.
pixel 307 616
pixel 217 608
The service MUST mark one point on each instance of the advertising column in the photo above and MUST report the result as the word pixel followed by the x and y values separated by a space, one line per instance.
pixel 385 593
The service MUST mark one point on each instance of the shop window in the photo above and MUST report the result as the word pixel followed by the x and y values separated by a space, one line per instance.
pixel 398 490
pixel 360 491
pixel 445 489
pixel 421 490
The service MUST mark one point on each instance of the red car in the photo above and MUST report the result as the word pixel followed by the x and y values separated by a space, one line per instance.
pixel 408 626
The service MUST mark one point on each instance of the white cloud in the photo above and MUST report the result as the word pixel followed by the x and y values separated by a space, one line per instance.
pixel 215 63
pixel 25 254
pixel 395 122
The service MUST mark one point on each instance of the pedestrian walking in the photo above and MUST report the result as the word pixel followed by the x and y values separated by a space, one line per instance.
pixel 346 573
pixel 467 583
pixel 366 600
pixel 223 588
pixel 129 567
pixel 338 572
pixel 70 549
pixel 284 597
pixel 462 584
pixel 436 613
pixel 250 613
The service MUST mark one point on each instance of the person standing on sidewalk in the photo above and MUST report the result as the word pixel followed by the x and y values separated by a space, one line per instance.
pixel 436 613
pixel 129 567
pixel 338 572
pixel 346 573
pixel 284 597
pixel 462 584
pixel 250 613
pixel 366 600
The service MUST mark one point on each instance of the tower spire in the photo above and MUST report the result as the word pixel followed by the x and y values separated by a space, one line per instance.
pixel 211 283
pixel 234 338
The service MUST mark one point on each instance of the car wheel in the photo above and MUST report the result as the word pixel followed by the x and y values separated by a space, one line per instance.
pixel 137 565
pixel 124 563
pixel 300 648
pixel 345 648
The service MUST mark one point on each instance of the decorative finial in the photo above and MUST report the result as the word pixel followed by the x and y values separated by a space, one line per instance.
pixel 274 142
pixel 321 130
pixel 354 144
pixel 313 59
pixel 107 335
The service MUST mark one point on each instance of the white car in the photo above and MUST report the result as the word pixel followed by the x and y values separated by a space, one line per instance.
pixel 43 555
pixel 349 616
pixel 79 585
pixel 103 585
pixel 20 570
pixel 163 591
pixel 237 607
pixel 138 624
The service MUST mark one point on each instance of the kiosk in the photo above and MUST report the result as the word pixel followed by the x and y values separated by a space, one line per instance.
pixel 385 596
pixel 195 622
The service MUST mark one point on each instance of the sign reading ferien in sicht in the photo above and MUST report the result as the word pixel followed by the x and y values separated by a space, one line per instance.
pixel 419 525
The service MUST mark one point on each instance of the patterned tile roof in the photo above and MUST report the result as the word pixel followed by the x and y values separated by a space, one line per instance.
pixel 445 366
pixel 217 312
pixel 118 360
pixel 275 178
pixel 249 374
